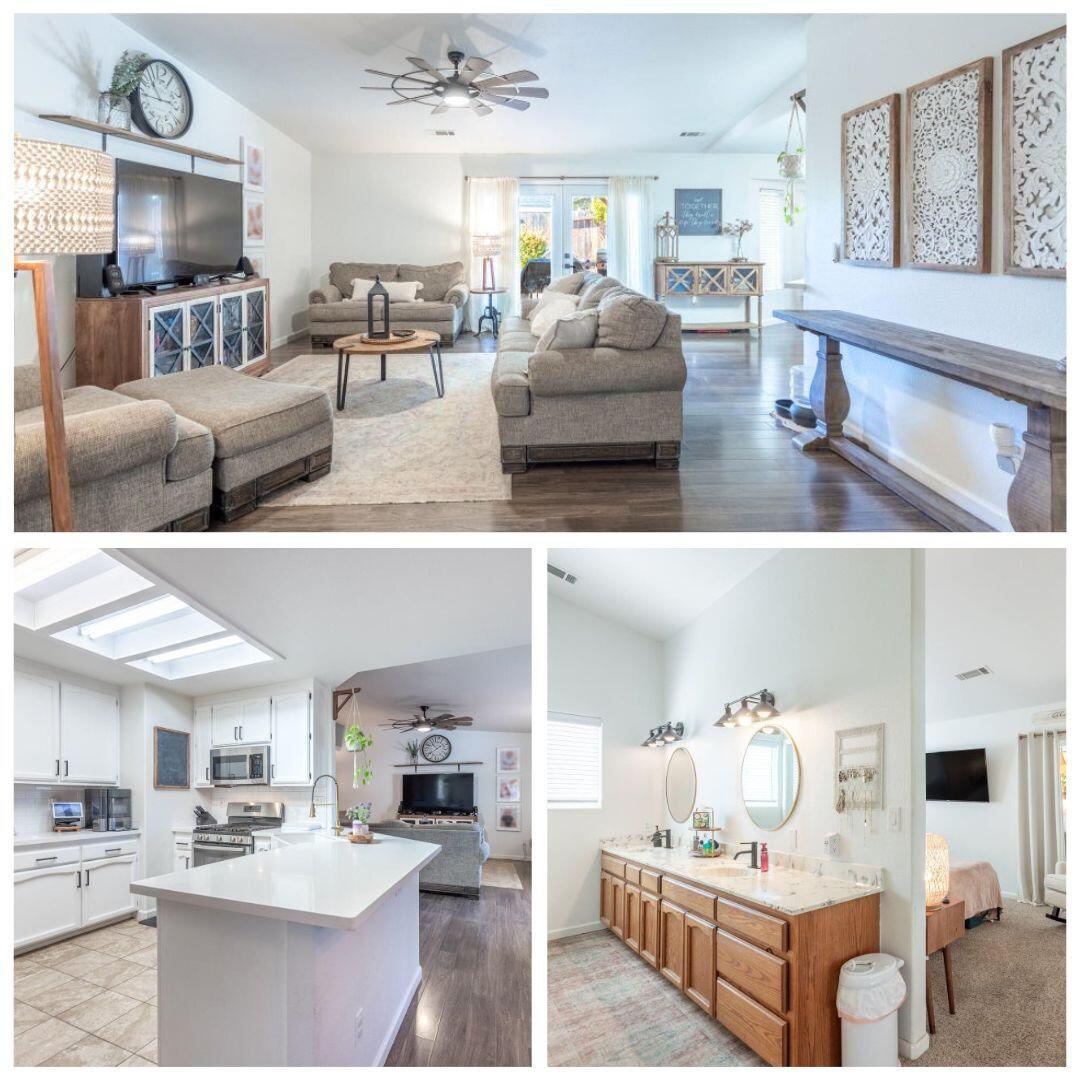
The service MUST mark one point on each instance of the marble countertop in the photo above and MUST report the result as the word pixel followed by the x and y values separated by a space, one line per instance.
pixel 791 892
pixel 81 837
pixel 310 877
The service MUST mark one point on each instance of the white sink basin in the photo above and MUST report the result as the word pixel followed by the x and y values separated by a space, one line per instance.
pixel 725 871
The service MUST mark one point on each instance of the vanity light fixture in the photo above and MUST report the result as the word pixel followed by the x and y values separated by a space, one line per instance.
pixel 752 709
pixel 664 735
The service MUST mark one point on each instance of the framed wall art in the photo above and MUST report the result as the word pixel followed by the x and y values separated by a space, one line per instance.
pixel 1033 156
pixel 254 220
pixel 253 165
pixel 509 759
pixel 870 183
pixel 509 789
pixel 508 818
pixel 699 211
pixel 858 783
pixel 172 759
pixel 947 169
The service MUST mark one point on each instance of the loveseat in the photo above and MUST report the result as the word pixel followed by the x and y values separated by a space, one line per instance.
pixel 439 304
pixel 456 869
pixel 606 386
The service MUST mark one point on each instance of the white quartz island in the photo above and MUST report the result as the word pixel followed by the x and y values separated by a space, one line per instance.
pixel 308 954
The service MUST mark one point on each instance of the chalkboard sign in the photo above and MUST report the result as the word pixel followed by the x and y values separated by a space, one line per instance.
pixel 172 759
pixel 698 211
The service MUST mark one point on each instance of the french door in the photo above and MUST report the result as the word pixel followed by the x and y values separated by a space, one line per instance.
pixel 562 228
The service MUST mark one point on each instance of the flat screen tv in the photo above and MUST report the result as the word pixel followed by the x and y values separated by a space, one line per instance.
pixel 430 793
pixel 957 776
pixel 172 225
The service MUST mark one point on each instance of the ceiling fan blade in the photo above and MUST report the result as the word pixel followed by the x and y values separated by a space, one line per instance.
pixel 440 109
pixel 519 76
pixel 419 97
pixel 481 110
pixel 423 65
pixel 510 103
pixel 463 720
pixel 472 67
pixel 411 78
pixel 531 91
pixel 443 716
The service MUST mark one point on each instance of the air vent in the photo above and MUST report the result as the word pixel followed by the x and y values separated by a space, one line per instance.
pixel 974 673
pixel 443 131
pixel 1051 716
pixel 562 575
pixel 691 134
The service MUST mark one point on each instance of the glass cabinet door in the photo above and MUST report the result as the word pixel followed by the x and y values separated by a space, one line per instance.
pixel 678 279
pixel 745 280
pixel 712 280
pixel 202 333
pixel 167 339
pixel 255 310
pixel 232 330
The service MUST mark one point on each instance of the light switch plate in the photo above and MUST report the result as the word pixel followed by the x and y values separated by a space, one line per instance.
pixel 895 818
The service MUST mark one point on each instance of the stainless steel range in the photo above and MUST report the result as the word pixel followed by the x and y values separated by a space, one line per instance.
pixel 214 843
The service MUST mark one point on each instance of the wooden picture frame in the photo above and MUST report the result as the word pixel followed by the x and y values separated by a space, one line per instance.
pixel 1049 128
pixel 932 160
pixel 890 247
pixel 172 759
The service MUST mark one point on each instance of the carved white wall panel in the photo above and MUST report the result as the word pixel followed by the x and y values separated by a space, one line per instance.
pixel 1033 138
pixel 948 162
pixel 869 169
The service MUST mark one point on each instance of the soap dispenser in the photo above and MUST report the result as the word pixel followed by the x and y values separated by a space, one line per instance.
pixel 764 858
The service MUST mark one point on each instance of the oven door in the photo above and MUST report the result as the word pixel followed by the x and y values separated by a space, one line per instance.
pixel 205 854
pixel 231 767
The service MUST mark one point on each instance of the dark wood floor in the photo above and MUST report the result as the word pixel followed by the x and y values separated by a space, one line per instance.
pixel 739 470
pixel 474 1004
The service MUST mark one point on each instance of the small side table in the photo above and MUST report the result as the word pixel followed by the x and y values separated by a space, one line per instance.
pixel 944 925
pixel 490 312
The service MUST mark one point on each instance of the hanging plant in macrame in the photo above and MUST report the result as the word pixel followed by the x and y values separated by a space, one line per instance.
pixel 792 162
pixel 358 743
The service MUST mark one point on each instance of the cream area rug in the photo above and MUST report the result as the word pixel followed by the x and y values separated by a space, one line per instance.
pixel 500 874
pixel 398 441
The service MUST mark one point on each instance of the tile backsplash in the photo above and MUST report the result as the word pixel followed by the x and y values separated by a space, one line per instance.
pixel 296 800
pixel 33 809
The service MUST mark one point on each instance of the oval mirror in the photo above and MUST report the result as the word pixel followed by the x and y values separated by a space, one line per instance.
pixel 680 784
pixel 770 777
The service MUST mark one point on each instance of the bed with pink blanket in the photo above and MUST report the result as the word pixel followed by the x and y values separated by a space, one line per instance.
pixel 976 883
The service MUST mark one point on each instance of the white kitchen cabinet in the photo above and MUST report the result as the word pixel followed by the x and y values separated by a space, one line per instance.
pixel 48 902
pixel 181 855
pixel 37 727
pixel 255 724
pixel 106 888
pixel 225 723
pixel 89 736
pixel 291 745
pixel 203 741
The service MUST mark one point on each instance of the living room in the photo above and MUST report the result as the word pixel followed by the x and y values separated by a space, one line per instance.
pixel 536 185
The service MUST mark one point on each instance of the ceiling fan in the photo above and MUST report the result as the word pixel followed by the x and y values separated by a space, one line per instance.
pixel 463 88
pixel 422 722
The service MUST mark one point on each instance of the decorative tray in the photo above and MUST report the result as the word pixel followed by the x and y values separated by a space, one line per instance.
pixel 357 838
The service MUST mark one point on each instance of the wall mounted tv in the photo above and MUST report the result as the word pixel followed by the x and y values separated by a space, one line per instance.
pixel 431 793
pixel 957 776
pixel 172 225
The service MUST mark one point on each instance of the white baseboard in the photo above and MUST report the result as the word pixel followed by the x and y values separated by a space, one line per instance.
pixel 574 931
pixel 399 1017
pixel 296 335
pixel 913 1050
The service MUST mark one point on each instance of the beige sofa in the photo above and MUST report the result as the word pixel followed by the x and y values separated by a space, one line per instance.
pixel 593 403
pixel 440 303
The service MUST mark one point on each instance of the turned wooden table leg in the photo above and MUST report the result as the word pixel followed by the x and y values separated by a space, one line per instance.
pixel 1037 494
pixel 930 1000
pixel 829 397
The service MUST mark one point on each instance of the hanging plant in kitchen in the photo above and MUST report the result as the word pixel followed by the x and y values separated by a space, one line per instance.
pixel 358 743
pixel 792 160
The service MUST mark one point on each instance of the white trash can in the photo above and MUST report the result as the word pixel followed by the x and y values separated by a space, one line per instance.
pixel 870 992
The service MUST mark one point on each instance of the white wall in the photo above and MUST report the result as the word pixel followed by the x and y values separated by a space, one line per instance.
pixel 984 831
pixel 930 427
pixel 61 61
pixel 596 668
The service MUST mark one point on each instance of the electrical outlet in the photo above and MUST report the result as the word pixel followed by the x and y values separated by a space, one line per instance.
pixel 358 1032
pixel 895 818
pixel 832 845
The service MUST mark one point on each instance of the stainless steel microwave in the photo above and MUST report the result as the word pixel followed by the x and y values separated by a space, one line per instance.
pixel 231 766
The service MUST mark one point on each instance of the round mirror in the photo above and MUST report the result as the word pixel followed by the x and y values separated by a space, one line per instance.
pixel 680 784
pixel 770 777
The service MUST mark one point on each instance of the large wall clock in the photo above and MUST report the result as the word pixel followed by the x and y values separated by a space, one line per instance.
pixel 161 103
pixel 435 748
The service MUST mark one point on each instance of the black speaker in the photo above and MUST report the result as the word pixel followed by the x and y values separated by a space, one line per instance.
pixel 245 266
pixel 114 279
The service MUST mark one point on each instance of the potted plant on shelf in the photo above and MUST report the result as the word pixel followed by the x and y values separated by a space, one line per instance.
pixel 359 815
pixel 114 108
pixel 358 743
pixel 737 228
pixel 412 749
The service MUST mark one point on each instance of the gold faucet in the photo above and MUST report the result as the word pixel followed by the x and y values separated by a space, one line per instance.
pixel 311 809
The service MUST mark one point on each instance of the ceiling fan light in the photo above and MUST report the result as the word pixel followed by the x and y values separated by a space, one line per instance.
pixel 423 726
pixel 455 95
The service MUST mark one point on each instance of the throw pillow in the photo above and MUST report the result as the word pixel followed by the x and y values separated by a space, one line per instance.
pixel 570 284
pixel 547 311
pixel 592 293
pixel 399 292
pixel 576 331
pixel 631 321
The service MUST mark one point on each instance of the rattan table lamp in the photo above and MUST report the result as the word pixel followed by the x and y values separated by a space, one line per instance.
pixel 64 205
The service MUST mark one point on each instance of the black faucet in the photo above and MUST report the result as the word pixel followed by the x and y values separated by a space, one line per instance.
pixel 752 851
pixel 661 839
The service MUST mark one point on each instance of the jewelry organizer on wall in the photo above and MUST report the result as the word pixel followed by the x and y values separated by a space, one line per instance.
pixel 1033 156
pixel 870 181
pixel 860 770
pixel 947 166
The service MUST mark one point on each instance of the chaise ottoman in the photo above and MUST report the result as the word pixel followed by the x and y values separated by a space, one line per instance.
pixel 266 434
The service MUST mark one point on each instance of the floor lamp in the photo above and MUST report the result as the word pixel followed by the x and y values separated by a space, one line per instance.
pixel 63 197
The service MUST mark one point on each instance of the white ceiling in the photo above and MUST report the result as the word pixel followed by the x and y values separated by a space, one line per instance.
pixel 494 688
pixel 619 82
pixel 653 591
pixel 1002 609
pixel 330 612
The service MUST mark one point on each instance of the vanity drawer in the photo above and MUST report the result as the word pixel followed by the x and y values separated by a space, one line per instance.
pixel 633 874
pixel 761 929
pixel 615 867
pixel 754 1025
pixel 650 881
pixel 686 896
pixel 753 970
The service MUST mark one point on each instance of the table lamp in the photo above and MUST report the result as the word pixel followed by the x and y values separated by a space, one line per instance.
pixel 487 246
pixel 937 870
pixel 64 205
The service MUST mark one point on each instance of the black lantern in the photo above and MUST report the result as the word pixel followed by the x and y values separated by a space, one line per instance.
pixel 378 294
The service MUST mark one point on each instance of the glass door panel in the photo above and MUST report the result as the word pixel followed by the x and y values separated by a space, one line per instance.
pixel 232 330
pixel 562 229
pixel 538 228
pixel 256 324
pixel 167 340
pixel 587 210
pixel 202 333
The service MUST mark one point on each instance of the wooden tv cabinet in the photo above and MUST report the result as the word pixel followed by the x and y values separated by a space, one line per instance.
pixel 122 338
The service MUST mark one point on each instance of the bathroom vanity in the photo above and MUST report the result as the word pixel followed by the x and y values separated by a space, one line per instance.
pixel 759 952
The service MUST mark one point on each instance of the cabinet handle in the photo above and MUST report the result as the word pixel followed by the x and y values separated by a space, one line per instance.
pixel 87 878
pixel 112 851
pixel 207 772
pixel 241 732
pixel 57 766
pixel 46 858
pixel 273 771
pixel 236 738
pixel 187 863
pixel 65 768
pixel 78 880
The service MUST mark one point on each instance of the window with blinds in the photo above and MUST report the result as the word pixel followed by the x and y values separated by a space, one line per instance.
pixel 771 235
pixel 575 761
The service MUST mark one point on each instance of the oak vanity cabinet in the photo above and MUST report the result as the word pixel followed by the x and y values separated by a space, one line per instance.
pixel 632 917
pixel 672 933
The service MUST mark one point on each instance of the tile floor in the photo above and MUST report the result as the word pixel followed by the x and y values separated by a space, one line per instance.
pixel 90 1000
pixel 607 1007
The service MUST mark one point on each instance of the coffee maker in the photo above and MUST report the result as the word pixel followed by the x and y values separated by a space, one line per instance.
pixel 108 809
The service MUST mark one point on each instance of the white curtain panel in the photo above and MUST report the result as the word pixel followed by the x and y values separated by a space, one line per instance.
pixel 491 208
pixel 1042 828
pixel 630 231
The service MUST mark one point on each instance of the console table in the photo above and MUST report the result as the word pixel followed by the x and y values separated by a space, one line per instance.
pixel 694 279
pixel 1037 496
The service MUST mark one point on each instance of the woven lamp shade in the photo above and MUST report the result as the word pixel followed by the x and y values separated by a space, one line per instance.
pixel 63 198
pixel 486 244
pixel 937 870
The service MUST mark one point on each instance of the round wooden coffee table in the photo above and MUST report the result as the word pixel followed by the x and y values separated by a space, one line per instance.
pixel 424 341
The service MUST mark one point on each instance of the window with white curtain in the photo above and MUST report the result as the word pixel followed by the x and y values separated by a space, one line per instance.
pixel 575 761
pixel 771 235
